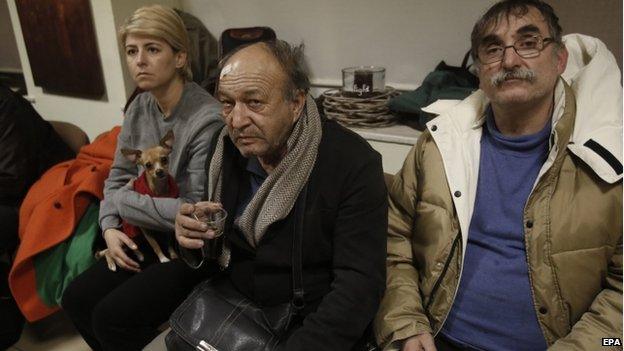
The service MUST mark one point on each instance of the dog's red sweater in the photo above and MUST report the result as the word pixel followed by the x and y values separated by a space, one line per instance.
pixel 141 187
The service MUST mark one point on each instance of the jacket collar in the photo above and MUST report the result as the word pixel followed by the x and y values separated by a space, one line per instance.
pixel 594 94
pixel 473 109
pixel 594 78
pixel 462 115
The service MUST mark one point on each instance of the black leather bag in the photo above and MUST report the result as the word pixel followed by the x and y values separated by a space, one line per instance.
pixel 217 317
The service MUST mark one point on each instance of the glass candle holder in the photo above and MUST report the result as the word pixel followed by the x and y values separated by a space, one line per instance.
pixel 363 81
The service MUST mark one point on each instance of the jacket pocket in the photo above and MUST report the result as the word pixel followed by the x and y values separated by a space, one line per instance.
pixel 580 276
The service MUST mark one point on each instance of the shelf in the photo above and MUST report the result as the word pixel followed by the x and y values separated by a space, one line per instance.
pixel 396 134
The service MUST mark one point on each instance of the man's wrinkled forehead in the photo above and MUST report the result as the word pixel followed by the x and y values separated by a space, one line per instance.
pixel 515 23
pixel 253 61
pixel 254 58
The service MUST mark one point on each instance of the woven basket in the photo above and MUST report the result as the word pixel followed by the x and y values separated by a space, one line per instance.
pixel 368 112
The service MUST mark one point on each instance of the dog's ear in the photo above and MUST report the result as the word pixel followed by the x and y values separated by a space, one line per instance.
pixel 132 155
pixel 167 140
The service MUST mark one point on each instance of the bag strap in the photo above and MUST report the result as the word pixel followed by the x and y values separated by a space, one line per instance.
pixel 298 301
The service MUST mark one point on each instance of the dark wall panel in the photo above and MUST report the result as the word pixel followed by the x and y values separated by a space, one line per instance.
pixel 62 48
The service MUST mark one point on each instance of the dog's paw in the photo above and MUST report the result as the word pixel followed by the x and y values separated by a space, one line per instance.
pixel 172 254
pixel 163 259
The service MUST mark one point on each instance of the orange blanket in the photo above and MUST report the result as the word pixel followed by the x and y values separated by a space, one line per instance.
pixel 50 212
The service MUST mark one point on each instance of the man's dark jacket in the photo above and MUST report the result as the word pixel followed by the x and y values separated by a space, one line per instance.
pixel 344 242
pixel 28 146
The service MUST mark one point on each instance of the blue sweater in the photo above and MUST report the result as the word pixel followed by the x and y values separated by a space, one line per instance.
pixel 493 309
pixel 257 176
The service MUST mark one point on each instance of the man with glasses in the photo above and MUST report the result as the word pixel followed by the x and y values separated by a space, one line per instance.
pixel 505 223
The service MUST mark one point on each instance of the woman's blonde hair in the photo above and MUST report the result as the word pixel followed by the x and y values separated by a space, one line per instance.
pixel 163 23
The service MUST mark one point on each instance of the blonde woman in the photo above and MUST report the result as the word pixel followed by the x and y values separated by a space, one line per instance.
pixel 119 305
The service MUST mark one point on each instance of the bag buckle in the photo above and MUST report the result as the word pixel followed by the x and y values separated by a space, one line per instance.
pixel 204 346
pixel 298 301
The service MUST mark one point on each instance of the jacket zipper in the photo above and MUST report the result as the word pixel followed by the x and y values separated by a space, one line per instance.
pixel 530 203
pixel 446 265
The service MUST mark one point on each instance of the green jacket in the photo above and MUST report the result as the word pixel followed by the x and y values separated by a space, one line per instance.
pixel 573 228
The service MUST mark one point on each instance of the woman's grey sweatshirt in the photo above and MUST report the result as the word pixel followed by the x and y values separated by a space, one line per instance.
pixel 194 121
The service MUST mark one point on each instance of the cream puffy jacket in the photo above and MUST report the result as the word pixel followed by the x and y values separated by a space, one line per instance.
pixel 572 219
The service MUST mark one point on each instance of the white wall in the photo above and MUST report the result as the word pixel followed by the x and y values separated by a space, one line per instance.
pixel 408 37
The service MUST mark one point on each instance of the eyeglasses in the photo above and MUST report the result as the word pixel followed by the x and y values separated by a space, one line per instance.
pixel 526 47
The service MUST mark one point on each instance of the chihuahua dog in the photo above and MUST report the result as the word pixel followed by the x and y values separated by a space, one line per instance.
pixel 156 182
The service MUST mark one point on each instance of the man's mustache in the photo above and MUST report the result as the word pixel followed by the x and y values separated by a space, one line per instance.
pixel 518 73
pixel 236 133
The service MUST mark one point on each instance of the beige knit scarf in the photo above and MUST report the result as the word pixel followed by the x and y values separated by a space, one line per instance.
pixel 277 195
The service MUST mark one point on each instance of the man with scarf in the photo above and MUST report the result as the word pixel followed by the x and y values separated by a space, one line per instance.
pixel 275 147
pixel 505 223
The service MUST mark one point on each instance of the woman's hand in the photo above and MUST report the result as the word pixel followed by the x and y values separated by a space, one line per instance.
pixel 115 254
pixel 190 231
pixel 420 342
